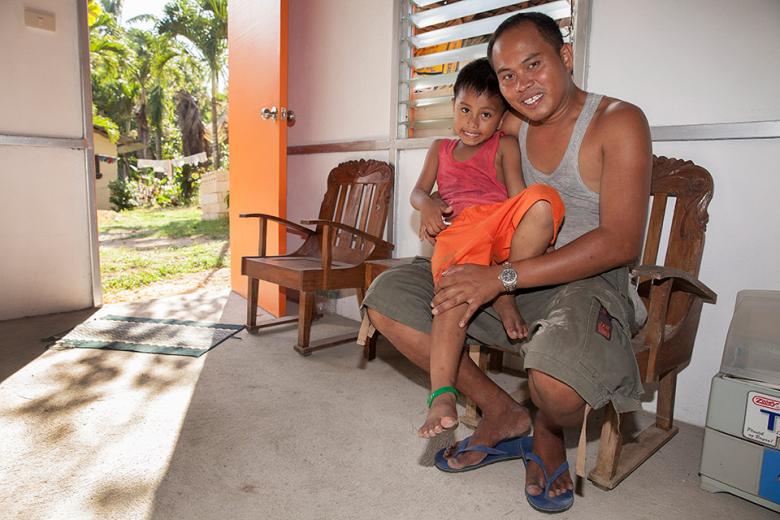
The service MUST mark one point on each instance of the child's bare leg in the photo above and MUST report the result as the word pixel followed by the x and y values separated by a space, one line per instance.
pixel 531 238
pixel 447 340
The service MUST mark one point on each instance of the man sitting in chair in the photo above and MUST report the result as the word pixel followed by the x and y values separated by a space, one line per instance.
pixel 596 151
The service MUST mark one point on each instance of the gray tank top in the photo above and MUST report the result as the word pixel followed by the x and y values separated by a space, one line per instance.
pixel 582 203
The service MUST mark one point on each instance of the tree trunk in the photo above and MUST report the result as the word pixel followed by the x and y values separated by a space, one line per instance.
pixel 214 125
pixel 143 129
pixel 192 130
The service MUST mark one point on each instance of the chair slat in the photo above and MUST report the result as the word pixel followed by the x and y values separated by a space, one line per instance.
pixel 365 211
pixel 379 209
pixel 350 216
pixel 653 240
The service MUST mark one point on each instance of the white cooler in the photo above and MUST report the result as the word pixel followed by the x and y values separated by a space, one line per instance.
pixel 741 453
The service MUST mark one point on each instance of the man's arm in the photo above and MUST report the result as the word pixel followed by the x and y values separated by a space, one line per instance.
pixel 510 165
pixel 624 193
pixel 510 124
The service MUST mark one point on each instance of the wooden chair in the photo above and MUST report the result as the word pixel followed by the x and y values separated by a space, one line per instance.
pixel 348 231
pixel 673 297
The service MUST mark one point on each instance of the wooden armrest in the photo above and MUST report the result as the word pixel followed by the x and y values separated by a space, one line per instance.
pixel 291 225
pixel 378 242
pixel 681 280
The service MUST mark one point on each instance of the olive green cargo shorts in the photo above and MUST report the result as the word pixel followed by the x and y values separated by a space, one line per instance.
pixel 578 333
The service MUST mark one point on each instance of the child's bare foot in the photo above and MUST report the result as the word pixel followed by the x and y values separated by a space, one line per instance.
pixel 442 416
pixel 514 324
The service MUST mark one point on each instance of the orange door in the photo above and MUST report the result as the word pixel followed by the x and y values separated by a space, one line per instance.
pixel 257 50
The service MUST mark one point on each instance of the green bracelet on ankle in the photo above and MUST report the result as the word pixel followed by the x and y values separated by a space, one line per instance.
pixel 443 390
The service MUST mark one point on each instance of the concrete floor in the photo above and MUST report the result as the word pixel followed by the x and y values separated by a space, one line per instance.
pixel 252 430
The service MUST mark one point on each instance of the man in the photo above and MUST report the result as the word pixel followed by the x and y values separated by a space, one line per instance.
pixel 596 152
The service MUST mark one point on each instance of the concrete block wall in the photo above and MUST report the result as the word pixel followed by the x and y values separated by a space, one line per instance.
pixel 213 195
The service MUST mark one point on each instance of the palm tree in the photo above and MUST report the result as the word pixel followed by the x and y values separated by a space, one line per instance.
pixel 152 54
pixel 193 133
pixel 204 25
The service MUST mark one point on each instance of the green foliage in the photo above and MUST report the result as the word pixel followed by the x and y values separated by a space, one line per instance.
pixel 108 126
pixel 122 194
pixel 204 25
pixel 135 75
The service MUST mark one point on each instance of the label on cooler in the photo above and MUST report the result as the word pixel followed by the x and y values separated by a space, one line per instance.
pixel 762 418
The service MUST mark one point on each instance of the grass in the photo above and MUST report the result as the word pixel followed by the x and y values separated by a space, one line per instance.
pixel 163 223
pixel 182 244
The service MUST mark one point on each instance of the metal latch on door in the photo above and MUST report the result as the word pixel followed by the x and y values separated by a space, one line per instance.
pixel 274 114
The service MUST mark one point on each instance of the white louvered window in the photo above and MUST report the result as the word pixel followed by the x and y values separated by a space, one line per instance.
pixel 437 38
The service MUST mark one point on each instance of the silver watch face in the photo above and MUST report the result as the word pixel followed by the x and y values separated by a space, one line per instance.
pixel 508 276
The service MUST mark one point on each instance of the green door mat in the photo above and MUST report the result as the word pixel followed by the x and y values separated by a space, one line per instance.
pixel 154 336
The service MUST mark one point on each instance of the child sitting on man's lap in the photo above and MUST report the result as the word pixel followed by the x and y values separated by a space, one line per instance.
pixel 486 216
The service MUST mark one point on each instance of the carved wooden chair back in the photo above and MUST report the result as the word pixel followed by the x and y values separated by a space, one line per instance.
pixel 358 195
pixel 688 188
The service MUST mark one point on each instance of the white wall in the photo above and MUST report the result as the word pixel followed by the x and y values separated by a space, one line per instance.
pixel 44 216
pixel 692 62
pixel 339 69
pixel 339 85
pixel 41 83
pixel 705 61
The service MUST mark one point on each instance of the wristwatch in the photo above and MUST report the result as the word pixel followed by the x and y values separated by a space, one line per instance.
pixel 508 277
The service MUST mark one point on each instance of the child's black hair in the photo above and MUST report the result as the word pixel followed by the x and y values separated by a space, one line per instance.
pixel 478 77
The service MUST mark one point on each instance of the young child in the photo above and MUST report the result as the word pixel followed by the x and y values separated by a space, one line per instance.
pixel 486 216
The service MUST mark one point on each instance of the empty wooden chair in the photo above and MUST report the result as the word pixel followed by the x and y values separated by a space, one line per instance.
pixel 347 232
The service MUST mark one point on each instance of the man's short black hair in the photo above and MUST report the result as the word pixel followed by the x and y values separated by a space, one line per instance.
pixel 478 77
pixel 546 26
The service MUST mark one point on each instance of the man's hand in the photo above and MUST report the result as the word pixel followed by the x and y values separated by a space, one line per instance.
pixel 432 218
pixel 474 285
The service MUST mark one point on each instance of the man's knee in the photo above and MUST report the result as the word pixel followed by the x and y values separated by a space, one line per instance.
pixel 540 213
pixel 552 395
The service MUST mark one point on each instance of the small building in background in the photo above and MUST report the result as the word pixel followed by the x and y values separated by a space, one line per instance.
pixel 106 167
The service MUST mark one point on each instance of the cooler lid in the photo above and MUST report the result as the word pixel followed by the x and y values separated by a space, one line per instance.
pixel 752 348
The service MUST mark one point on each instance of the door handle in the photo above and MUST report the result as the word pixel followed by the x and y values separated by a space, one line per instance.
pixel 269 113
pixel 273 113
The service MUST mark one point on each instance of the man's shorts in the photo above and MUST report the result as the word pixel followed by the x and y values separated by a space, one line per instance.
pixel 578 333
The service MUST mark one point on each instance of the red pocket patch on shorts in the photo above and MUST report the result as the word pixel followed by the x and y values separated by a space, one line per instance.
pixel 604 323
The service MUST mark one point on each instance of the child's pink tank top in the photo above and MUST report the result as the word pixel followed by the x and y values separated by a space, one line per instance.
pixel 467 183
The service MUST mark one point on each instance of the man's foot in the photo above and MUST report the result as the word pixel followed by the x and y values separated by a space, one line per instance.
pixel 442 416
pixel 492 429
pixel 549 446
pixel 514 324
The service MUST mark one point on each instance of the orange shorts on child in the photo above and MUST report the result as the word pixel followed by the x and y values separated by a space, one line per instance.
pixel 482 234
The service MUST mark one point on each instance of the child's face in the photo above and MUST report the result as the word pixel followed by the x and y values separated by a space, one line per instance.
pixel 476 116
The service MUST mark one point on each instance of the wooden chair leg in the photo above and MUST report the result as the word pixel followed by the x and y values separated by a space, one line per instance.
pixel 496 360
pixel 667 388
pixel 479 355
pixel 367 337
pixel 610 446
pixel 251 303
pixel 305 316
pixel 616 461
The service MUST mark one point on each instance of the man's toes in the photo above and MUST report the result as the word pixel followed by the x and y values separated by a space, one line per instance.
pixel 534 489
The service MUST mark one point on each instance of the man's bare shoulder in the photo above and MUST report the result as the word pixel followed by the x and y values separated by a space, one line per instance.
pixel 508 142
pixel 615 117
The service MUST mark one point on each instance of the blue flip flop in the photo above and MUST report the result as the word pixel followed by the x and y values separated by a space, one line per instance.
pixel 542 502
pixel 508 449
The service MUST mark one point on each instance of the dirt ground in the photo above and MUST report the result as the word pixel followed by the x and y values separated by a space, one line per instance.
pixel 218 279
